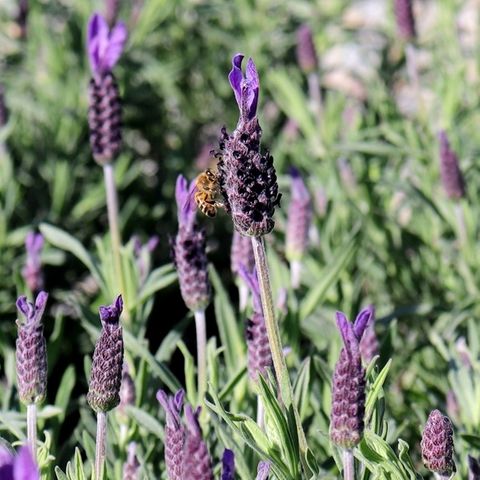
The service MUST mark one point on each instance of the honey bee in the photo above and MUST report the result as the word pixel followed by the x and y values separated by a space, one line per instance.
pixel 206 193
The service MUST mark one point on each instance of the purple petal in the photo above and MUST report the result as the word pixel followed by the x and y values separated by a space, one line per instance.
pixel 24 467
pixel 23 306
pixel 153 243
pixel 110 314
pixel 253 84
pixel 114 47
pixel 6 457
pixel 172 406
pixel 40 304
pixel 228 465
pixel 235 77
pixel 184 196
pixel 362 321
pixel 263 470
pixel 30 241
pixel 299 189
pixel 344 326
pixel 191 418
pixel 97 40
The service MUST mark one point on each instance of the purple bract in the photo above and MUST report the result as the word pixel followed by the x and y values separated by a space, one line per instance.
pixel 246 87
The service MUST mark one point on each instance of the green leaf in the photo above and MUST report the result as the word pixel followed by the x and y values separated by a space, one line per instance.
pixel 157 280
pixel 145 420
pixel 64 392
pixel 227 325
pixel 60 475
pixel 63 240
pixel 375 391
pixel 330 275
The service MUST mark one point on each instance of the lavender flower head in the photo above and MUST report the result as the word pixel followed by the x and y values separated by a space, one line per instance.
pixel 437 444
pixel 189 250
pixel 104 46
pixel 263 470
pixel 452 178
pixel 473 468
pixel 241 253
pixel 259 353
pixel 32 271
pixel 405 19
pixel 228 465
pixel 247 178
pixel 348 390
pixel 18 467
pixel 31 351
pixel 197 461
pixel 306 53
pixel 131 468
pixel 299 217
pixel 174 433
pixel 106 375
pixel 369 346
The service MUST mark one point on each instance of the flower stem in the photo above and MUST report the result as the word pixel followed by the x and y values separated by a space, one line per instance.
pixel 100 446
pixel 348 465
pixel 260 413
pixel 295 273
pixel 242 295
pixel 32 429
pixel 201 353
pixel 112 209
pixel 273 332
pixel 315 94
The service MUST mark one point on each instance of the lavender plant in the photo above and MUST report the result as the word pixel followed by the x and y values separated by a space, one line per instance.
pixel 106 375
pixel 31 356
pixel 190 259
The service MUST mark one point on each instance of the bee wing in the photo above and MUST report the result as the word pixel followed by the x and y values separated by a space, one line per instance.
pixel 189 200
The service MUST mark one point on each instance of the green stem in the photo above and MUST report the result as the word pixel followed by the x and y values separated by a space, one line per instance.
pixel 32 429
pixel 100 445
pixel 273 332
pixel 348 465
pixel 201 353
pixel 260 413
pixel 115 238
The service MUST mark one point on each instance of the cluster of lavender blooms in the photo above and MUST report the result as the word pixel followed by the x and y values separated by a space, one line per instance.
pixel 189 250
pixel 259 354
pixel 104 45
pixel 298 225
pixel 451 175
pixel 405 19
pixel 247 177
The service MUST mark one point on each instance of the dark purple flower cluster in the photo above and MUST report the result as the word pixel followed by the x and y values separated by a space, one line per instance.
pixel 405 19
pixel 106 374
pixel 247 177
pixel 104 46
pixel 348 389
pixel 189 250
pixel 186 453
pixel 31 351
pixel 306 53
pixel 452 178
pixel 437 444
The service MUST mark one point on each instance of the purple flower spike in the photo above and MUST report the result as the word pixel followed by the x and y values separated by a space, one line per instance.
pixel 299 217
pixel 106 374
pixel 452 178
pixel 437 444
pixel 306 53
pixel 405 19
pixel 473 468
pixel 348 389
pixel 174 433
pixel 184 196
pixel 32 271
pixel 19 467
pixel 104 45
pixel 246 88
pixel 198 465
pixel 263 470
pixel 228 465
pixel 31 351
pixel 369 346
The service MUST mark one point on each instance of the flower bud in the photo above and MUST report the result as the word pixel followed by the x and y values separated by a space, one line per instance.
pixel 405 19
pixel 437 444
pixel 348 390
pixel 31 351
pixel 106 375
pixel 452 178
pixel 306 52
